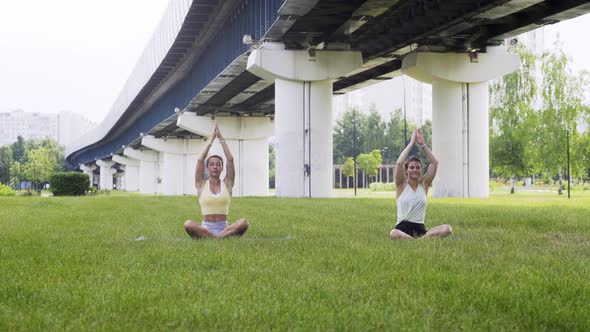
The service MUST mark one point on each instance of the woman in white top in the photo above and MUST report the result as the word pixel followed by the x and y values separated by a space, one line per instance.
pixel 411 190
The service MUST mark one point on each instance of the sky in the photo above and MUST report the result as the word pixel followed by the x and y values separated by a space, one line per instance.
pixel 71 55
pixel 75 55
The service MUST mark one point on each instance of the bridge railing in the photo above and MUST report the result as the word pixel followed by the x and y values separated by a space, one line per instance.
pixel 153 54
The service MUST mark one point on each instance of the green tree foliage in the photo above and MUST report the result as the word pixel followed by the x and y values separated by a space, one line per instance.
pixel 512 116
pixel 563 108
pixel 368 162
pixel 348 167
pixel 34 161
pixel 376 154
pixel 16 174
pixel 374 132
pixel 18 149
pixel 41 164
pixel 5 163
pixel 350 123
pixel 528 135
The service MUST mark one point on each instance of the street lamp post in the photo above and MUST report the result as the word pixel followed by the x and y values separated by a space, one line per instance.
pixel 354 147
pixel 34 176
pixel 405 122
pixel 568 161
pixel 384 162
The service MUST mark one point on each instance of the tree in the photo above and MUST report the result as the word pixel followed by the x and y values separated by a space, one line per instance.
pixel 40 165
pixel 563 95
pixel 348 169
pixel 56 151
pixel 374 132
pixel 344 135
pixel 394 135
pixel 528 129
pixel 16 172
pixel 369 162
pixel 511 118
pixel 5 163
pixel 18 149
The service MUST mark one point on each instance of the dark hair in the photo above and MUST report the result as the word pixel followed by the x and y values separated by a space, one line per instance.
pixel 409 160
pixel 214 156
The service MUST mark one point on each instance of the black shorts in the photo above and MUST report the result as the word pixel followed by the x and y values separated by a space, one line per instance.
pixel 413 229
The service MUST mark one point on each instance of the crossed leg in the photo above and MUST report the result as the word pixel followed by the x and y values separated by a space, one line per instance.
pixel 197 231
pixel 438 231
pixel 236 229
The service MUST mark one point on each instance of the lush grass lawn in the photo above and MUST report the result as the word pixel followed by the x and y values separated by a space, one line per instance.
pixel 515 262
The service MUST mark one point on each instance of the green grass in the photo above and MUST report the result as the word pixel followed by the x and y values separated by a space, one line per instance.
pixel 515 262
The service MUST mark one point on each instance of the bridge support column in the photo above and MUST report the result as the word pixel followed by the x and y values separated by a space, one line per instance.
pixel 177 163
pixel 303 113
pixel 247 138
pixel 106 174
pixel 460 120
pixel 89 170
pixel 131 172
pixel 120 178
pixel 147 169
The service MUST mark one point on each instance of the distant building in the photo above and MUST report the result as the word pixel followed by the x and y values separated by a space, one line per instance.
pixel 64 127
pixel 418 100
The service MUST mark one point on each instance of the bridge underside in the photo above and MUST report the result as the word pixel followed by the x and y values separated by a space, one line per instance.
pixel 384 31
pixel 204 71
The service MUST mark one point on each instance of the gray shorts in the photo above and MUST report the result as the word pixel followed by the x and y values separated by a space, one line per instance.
pixel 214 227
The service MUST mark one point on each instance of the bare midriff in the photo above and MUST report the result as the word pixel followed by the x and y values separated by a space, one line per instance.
pixel 214 217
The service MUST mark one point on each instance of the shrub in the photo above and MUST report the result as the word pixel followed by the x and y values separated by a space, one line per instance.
pixel 69 184
pixel 6 191
pixel 378 186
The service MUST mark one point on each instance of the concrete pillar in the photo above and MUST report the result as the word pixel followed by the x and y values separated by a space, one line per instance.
pixel 106 174
pixel 120 178
pixel 147 169
pixel 247 139
pixel 303 113
pixel 131 172
pixel 460 133
pixel 89 170
pixel 177 163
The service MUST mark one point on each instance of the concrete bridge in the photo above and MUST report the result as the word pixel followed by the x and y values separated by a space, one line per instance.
pixel 270 67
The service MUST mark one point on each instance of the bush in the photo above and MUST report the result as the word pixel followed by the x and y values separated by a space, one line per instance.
pixel 378 186
pixel 6 191
pixel 69 184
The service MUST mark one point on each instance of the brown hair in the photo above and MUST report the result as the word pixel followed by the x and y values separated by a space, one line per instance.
pixel 214 156
pixel 409 160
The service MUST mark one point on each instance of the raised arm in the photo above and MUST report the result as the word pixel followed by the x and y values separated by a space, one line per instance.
pixel 200 170
pixel 431 172
pixel 230 171
pixel 400 174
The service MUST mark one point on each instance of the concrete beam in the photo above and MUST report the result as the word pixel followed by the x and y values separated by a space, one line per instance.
pixel 230 127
